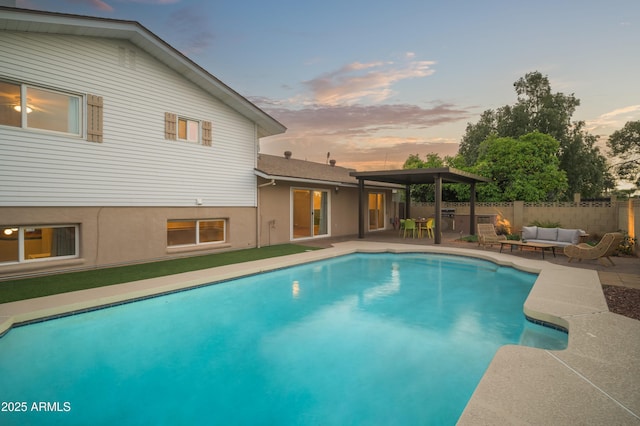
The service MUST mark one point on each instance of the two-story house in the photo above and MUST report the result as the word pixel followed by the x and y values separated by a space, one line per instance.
pixel 116 148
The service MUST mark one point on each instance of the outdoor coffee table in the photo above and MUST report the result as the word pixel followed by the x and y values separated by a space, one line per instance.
pixel 541 246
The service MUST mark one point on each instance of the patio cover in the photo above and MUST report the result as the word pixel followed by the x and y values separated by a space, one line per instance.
pixel 409 177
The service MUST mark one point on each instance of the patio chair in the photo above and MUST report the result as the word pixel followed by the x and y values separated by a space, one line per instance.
pixel 410 226
pixel 429 227
pixel 605 248
pixel 487 235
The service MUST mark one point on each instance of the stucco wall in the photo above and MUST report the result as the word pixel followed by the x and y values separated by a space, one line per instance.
pixel 123 235
pixel 594 217
pixel 275 210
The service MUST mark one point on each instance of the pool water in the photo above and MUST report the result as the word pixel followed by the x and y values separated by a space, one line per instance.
pixel 373 339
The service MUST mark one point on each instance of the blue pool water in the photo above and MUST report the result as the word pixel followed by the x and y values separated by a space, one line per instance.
pixel 374 339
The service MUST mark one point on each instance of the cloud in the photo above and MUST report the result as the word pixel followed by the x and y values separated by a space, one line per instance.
pixel 190 28
pixel 99 4
pixel 348 112
pixel 364 137
pixel 379 153
pixel 358 82
pixel 356 119
pixel 96 4
pixel 608 122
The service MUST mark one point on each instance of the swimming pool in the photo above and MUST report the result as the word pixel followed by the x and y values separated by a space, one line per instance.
pixel 360 339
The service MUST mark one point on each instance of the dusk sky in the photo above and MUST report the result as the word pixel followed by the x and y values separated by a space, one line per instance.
pixel 373 82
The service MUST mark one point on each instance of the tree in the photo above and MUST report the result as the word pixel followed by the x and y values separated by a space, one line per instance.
pixel 538 109
pixel 475 134
pixel 625 143
pixel 524 169
pixel 425 193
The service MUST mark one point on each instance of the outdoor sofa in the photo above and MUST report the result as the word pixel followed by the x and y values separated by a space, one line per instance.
pixel 560 237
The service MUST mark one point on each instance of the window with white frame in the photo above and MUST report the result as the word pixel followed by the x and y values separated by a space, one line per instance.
pixel 188 130
pixel 31 107
pixel 181 128
pixel 33 243
pixel 194 232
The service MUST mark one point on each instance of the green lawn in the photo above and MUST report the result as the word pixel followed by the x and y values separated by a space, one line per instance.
pixel 28 288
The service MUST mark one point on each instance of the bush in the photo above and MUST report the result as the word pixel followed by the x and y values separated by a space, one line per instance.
pixel 541 224
pixel 628 244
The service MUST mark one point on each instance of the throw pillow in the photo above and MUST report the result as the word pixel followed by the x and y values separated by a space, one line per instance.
pixel 548 234
pixel 529 232
pixel 568 236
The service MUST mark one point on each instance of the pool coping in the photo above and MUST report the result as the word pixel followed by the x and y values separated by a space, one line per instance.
pixel 595 380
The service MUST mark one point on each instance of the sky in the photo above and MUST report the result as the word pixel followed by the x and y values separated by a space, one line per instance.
pixel 370 83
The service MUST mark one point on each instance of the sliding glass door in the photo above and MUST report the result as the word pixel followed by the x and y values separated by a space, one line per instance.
pixel 310 213
pixel 376 211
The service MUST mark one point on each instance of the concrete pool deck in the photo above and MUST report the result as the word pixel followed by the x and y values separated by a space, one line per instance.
pixel 596 380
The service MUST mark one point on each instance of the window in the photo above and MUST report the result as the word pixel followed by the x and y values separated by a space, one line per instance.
pixel 30 243
pixel 10 104
pixel 186 129
pixel 190 232
pixel 31 107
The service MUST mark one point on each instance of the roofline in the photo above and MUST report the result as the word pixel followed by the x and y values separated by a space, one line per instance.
pixel 28 20
pixel 452 175
pixel 316 181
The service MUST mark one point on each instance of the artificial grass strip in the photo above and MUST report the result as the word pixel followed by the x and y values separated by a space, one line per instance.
pixel 28 288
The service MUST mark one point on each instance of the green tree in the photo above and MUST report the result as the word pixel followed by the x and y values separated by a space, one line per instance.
pixel 423 192
pixel 538 109
pixel 475 134
pixel 625 144
pixel 524 168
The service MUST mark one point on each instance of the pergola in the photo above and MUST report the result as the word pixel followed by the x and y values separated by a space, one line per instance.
pixel 409 177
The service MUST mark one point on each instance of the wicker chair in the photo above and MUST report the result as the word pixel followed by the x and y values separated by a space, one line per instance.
pixel 487 235
pixel 605 248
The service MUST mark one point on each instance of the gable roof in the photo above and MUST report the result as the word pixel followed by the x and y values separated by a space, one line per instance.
pixel 35 21
pixel 291 169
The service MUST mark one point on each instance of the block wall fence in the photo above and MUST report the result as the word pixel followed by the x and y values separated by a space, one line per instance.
pixel 595 217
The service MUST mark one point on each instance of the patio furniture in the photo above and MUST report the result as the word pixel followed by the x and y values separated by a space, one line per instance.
pixel 487 235
pixel 534 245
pixel 558 236
pixel 401 228
pixel 428 226
pixel 605 248
pixel 410 226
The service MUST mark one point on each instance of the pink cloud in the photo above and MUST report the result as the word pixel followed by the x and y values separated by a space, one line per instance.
pixel 358 118
pixel 357 82
pixel 96 4
pixel 359 136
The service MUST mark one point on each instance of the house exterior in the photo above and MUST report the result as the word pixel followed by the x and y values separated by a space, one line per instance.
pixel 116 148
pixel 300 200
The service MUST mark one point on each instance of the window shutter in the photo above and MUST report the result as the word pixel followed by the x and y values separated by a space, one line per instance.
pixel 206 133
pixel 170 126
pixel 94 118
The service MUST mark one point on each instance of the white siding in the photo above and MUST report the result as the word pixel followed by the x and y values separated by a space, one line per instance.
pixel 135 165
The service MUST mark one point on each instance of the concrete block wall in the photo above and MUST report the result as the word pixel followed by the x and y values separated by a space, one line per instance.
pixel 593 217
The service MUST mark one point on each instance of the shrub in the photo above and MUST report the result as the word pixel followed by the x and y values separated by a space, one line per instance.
pixel 628 244
pixel 549 224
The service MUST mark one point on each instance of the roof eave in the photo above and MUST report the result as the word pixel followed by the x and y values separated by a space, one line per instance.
pixel 24 20
pixel 418 176
pixel 317 181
